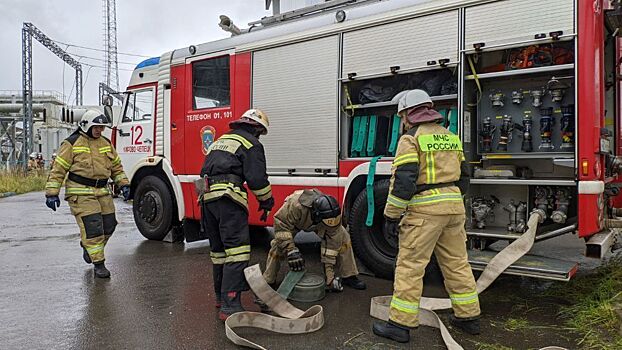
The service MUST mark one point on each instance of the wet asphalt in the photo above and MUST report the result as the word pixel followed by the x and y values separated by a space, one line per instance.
pixel 160 295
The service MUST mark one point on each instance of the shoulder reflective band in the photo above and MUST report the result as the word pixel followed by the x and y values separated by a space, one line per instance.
pixel 439 142
pixel 370 191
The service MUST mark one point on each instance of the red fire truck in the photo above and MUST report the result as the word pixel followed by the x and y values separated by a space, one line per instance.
pixel 507 75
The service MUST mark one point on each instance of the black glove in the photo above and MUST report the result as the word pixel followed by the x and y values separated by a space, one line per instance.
pixel 391 228
pixel 264 216
pixel 125 191
pixel 295 260
pixel 52 202
pixel 266 205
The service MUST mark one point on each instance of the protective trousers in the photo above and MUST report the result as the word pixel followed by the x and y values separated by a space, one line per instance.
pixel 420 235
pixel 96 218
pixel 336 252
pixel 226 225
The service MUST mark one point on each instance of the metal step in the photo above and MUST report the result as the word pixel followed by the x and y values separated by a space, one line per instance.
pixel 529 265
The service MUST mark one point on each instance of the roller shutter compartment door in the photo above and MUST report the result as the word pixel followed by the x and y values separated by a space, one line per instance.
pixel 408 44
pixel 511 21
pixel 296 85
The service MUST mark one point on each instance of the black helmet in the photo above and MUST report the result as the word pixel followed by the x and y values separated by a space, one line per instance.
pixel 325 208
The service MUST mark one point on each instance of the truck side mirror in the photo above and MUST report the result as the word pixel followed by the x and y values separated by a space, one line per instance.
pixel 107 100
pixel 108 113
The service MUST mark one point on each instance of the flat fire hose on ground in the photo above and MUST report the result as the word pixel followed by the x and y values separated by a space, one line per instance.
pixel 291 321
pixel 380 305
pixel 295 321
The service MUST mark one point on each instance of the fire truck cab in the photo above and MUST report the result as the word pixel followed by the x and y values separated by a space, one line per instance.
pixel 531 87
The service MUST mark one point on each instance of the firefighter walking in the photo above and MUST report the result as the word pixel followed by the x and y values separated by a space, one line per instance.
pixel 89 160
pixel 236 157
pixel 312 210
pixel 425 206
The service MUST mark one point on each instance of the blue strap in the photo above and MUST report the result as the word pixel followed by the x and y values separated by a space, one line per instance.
pixel 360 142
pixel 371 136
pixel 395 134
pixel 291 279
pixel 453 120
pixel 356 124
pixel 370 191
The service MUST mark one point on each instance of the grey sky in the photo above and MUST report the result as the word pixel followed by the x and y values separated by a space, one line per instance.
pixel 143 27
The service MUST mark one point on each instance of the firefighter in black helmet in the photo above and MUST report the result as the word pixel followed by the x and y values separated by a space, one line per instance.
pixel 236 157
pixel 312 210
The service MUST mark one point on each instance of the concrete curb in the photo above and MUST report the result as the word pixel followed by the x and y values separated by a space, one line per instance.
pixel 7 194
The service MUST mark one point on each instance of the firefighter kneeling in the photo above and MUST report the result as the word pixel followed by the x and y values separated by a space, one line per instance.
pixel 89 160
pixel 311 210
pixel 425 205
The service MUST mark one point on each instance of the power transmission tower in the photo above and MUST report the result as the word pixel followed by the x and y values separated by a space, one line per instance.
pixel 111 74
pixel 29 31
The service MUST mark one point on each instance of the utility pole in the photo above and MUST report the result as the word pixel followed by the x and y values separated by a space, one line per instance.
pixel 29 31
pixel 111 73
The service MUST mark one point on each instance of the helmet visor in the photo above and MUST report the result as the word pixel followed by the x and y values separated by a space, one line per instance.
pixel 332 222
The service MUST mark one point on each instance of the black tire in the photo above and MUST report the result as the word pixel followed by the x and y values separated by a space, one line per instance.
pixel 369 243
pixel 153 208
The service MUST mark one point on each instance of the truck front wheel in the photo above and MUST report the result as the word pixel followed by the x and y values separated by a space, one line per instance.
pixel 153 208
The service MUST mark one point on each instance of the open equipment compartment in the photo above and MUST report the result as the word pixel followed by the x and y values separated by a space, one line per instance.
pixel 519 136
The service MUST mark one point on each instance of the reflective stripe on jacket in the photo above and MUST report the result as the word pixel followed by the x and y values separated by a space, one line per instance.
pixel 88 157
pixel 427 154
pixel 237 153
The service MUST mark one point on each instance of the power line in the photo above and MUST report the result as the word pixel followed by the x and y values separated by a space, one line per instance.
pixel 100 50
pixel 102 67
pixel 103 60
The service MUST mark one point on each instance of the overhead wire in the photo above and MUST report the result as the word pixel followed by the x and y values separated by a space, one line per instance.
pixel 101 50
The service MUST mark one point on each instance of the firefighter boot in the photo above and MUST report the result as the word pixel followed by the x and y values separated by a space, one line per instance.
pixel 468 325
pixel 100 270
pixel 354 282
pixel 392 330
pixel 231 304
pixel 85 255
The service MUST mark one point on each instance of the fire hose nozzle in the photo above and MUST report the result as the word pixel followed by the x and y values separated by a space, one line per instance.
pixel 541 213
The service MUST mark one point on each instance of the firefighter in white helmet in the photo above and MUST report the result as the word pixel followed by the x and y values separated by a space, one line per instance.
pixel 425 207
pixel 234 158
pixel 33 165
pixel 89 160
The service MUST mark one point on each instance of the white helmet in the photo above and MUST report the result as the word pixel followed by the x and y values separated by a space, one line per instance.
pixel 254 117
pixel 411 98
pixel 33 155
pixel 93 117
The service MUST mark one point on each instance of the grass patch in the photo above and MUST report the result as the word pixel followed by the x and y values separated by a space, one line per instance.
pixel 594 300
pixel 516 324
pixel 21 182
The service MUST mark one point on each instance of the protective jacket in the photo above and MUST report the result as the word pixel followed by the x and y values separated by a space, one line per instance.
pixel 429 173
pixel 236 157
pixel 295 216
pixel 88 163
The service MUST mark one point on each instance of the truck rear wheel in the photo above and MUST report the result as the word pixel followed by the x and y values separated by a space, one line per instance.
pixel 153 208
pixel 369 243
